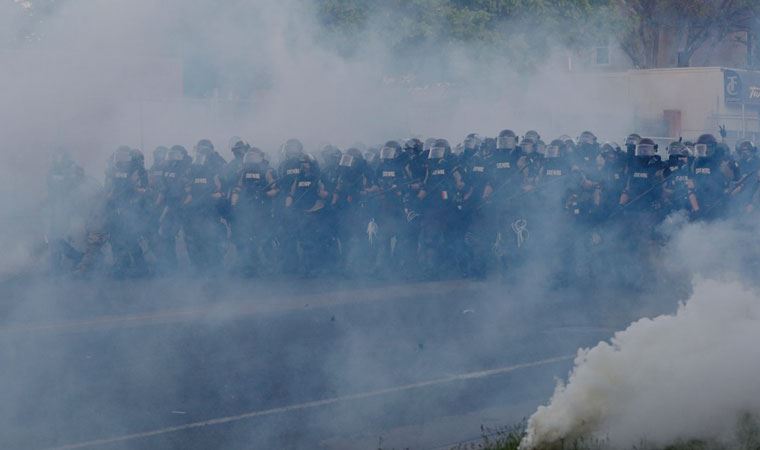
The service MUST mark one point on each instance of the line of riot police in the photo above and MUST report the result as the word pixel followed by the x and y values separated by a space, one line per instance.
pixel 405 210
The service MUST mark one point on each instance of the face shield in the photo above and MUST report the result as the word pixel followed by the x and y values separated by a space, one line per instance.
pixel 586 138
pixel 159 155
pixel 645 150
pixel 239 148
pixel 527 147
pixel 346 161
pixel 253 158
pixel 437 153
pixel 388 153
pixel 676 149
pixel 506 142
pixel 200 159
pixel 541 148
pixel 700 150
pixel 234 141
pixel 175 155
pixel 471 143
pixel 552 151
pixel 122 156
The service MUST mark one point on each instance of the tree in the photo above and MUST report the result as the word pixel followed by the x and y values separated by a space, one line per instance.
pixel 696 23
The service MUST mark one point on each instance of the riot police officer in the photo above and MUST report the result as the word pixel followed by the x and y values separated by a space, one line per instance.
pixel 125 191
pixel 251 202
pixel 170 201
pixel 205 232
pixel 306 201
pixel 356 231
pixel 710 183
pixel 388 211
pixel 438 209
pixel 289 169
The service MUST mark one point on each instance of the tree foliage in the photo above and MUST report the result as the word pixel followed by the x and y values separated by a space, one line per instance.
pixel 695 23
pixel 529 29
pixel 521 31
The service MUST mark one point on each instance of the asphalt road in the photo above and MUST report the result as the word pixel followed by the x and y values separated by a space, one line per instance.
pixel 229 364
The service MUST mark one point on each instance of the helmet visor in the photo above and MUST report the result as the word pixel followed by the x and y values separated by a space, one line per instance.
pixel 346 161
pixel 645 150
pixel 586 138
pixel 253 158
pixel 528 147
pixel 234 141
pixel 552 151
pixel 700 150
pixel 508 142
pixel 437 152
pixel 471 143
pixel 200 159
pixel 122 155
pixel 175 155
pixel 388 153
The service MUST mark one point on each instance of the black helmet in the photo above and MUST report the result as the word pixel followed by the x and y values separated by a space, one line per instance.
pixel 292 148
pixel 555 148
pixel 371 154
pixel 413 146
pixel 204 146
pixel 440 149
pixel 705 146
pixel 176 153
pixel 238 146
pixel 677 148
pixel 138 157
pixel 632 139
pixel 428 143
pixel 507 140
pixel 159 154
pixel 351 158
pixel 646 147
pixel 745 147
pixel 487 147
pixel 391 150
pixel 122 155
pixel 541 147
pixel 607 147
pixel 532 134
pixel 707 139
pixel 528 145
pixel 254 155
pixel 330 154
pixel 472 142
pixel 587 137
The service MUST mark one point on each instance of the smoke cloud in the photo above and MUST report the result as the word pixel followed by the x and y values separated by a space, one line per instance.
pixel 687 375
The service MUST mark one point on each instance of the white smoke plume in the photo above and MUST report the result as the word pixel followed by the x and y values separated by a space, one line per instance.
pixel 689 375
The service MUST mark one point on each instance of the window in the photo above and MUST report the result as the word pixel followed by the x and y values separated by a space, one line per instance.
pixel 602 56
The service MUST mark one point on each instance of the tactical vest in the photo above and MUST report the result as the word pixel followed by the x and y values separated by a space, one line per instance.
pixel 202 184
pixel 390 174
pixel 122 182
pixel 503 165
pixel 306 191
pixel 439 180
pixel 554 167
pixel 643 176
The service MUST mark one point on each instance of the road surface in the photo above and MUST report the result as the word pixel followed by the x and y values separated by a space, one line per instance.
pixel 228 364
